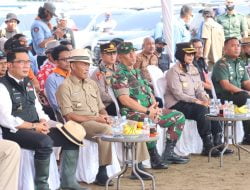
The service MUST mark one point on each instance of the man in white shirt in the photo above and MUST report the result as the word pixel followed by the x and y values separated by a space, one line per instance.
pixel 23 121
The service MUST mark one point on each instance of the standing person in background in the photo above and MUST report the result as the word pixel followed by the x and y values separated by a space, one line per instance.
pixel 234 24
pixel 11 22
pixel 181 26
pixel 10 155
pixel 108 24
pixel 62 23
pixel 41 31
pixel 213 36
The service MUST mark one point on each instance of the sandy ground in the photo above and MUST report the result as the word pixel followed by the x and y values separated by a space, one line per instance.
pixel 198 174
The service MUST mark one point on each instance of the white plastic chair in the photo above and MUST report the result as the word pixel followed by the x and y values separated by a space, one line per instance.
pixel 155 73
pixel 88 162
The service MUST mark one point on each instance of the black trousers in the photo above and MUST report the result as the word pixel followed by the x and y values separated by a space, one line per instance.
pixel 111 109
pixel 160 103
pixel 40 60
pixel 40 143
pixel 197 112
pixel 239 99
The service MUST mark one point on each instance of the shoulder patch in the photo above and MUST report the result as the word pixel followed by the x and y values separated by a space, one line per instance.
pixel 36 29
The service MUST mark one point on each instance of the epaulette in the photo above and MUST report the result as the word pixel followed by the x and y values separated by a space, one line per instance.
pixel 222 62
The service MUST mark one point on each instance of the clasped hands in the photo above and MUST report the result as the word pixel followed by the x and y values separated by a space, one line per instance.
pixel 155 112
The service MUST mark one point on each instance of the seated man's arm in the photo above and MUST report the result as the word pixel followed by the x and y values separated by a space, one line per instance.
pixel 134 105
pixel 221 75
pixel 50 89
pixel 246 85
pixel 131 103
pixel 225 84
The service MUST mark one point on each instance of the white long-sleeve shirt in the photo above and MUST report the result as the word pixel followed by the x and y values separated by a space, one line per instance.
pixel 6 118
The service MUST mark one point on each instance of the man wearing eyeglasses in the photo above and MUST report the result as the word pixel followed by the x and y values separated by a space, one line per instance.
pixel 103 73
pixel 61 56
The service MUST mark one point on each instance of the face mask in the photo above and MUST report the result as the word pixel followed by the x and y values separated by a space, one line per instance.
pixel 230 8
pixel 159 49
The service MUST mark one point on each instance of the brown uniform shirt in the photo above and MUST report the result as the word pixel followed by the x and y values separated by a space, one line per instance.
pixel 142 61
pixel 79 96
pixel 102 79
pixel 183 86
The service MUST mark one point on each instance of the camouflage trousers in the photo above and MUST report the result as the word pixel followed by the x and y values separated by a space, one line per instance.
pixel 171 119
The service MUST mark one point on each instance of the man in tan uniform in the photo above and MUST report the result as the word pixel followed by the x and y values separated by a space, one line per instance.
pixel 9 165
pixel 103 73
pixel 79 100
pixel 146 57
pixel 213 36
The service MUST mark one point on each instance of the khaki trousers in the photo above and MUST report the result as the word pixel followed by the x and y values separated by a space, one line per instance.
pixel 94 128
pixel 142 152
pixel 9 165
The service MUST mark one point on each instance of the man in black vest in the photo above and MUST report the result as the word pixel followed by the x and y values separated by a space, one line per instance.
pixel 24 122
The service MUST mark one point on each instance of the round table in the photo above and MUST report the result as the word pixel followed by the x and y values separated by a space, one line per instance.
pixel 129 145
pixel 228 122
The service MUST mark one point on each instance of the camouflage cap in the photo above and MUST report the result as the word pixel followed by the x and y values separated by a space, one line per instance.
pixel 108 48
pixel 125 47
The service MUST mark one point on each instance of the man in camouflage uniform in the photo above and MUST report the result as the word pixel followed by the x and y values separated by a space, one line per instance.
pixel 231 80
pixel 234 24
pixel 138 102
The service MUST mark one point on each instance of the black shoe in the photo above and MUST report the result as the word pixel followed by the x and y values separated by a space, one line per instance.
pixel 169 156
pixel 102 177
pixel 143 176
pixel 227 151
pixel 173 158
pixel 208 144
pixel 155 160
pixel 103 182
pixel 246 140
pixel 214 153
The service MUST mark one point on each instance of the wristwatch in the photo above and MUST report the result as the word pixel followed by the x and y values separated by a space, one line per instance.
pixel 147 112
